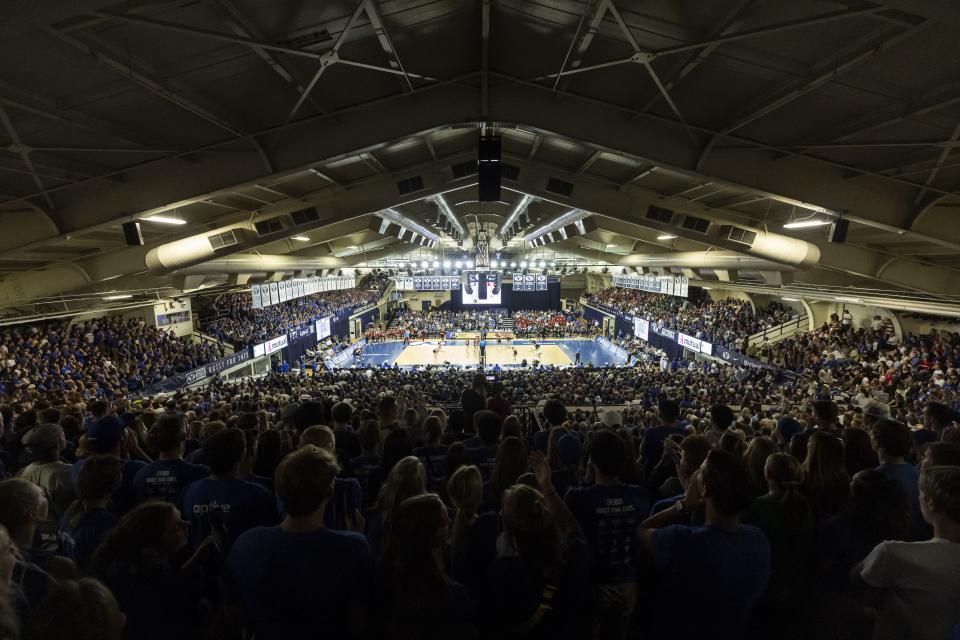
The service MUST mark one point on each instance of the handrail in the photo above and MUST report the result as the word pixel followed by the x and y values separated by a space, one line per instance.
pixel 200 336
pixel 780 331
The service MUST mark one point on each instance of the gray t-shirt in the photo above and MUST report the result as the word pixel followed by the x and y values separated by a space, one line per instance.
pixel 922 580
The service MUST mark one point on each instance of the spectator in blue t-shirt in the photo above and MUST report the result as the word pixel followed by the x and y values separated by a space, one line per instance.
pixel 651 449
pixel 222 503
pixel 89 519
pixel 710 576
pixel 894 442
pixel 343 510
pixel 168 476
pixel 608 513
pixel 108 436
pixel 363 465
pixel 300 579
pixel 488 429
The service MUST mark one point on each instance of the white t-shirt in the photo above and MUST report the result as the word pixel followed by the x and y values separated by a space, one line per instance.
pixel 922 580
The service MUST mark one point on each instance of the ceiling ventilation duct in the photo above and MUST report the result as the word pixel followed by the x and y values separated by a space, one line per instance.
pixel 24 287
pixel 753 242
pixel 703 260
pixel 254 263
pixel 197 249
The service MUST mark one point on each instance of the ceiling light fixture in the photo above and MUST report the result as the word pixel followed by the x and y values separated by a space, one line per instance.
pixel 306 239
pixel 847 299
pixel 666 236
pixel 164 220
pixel 119 296
pixel 800 224
pixel 791 299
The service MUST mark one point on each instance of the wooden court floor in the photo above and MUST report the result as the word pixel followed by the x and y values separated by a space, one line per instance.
pixel 458 354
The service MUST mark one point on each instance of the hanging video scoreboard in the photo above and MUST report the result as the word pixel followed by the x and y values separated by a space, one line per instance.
pixel 427 283
pixel 667 285
pixel 529 282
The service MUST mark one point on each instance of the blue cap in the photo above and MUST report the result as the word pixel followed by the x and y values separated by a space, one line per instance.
pixel 788 427
pixel 105 433
pixel 569 448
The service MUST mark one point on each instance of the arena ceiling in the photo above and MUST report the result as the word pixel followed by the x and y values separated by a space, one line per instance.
pixel 221 112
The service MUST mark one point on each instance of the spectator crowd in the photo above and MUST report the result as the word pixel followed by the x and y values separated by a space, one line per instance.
pixel 666 500
pixel 232 319
pixel 579 503
pixel 726 323
pixel 110 357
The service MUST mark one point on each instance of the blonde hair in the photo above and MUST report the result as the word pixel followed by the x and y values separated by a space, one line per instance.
pixel 465 489
pixel 85 606
pixel 408 478
pixel 319 436
pixel 20 502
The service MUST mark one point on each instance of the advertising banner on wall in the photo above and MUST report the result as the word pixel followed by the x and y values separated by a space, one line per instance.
pixel 689 342
pixel 641 329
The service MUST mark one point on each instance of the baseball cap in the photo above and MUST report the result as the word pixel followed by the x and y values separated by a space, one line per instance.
pixel 611 418
pixel 43 437
pixel 288 410
pixel 788 427
pixel 105 433
pixel 569 448
pixel 875 408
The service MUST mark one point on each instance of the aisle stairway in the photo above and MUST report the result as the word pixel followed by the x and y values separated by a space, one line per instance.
pixel 781 331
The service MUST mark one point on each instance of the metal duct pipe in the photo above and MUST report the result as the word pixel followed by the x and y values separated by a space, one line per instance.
pixel 570 217
pixel 703 260
pixel 253 263
pixel 448 212
pixel 21 288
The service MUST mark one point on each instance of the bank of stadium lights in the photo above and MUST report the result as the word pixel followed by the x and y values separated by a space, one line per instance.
pixel 513 265
pixel 424 265
pixel 446 264
pixel 436 264
pixel 523 264
pixel 457 264
pixel 469 264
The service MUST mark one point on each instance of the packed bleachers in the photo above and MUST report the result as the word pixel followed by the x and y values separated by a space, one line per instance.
pixel 434 322
pixel 231 318
pixel 436 503
pixel 108 357
pixel 725 322
pixel 554 324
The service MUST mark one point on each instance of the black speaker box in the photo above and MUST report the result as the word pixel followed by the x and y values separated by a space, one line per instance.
pixel 838 231
pixel 132 234
pixel 488 168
